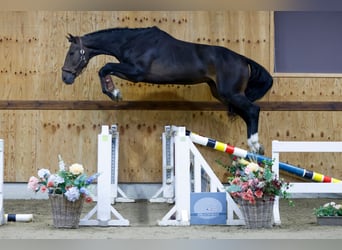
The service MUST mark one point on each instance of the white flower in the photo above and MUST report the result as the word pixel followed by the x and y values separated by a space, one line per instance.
pixel 56 179
pixel 43 173
pixel 252 167
pixel 329 204
pixel 76 169
pixel 338 206
pixel 72 194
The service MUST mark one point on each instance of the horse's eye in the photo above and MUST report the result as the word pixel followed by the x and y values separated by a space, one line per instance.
pixel 71 53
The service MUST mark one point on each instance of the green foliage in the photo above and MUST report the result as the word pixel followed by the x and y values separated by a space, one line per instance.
pixel 328 209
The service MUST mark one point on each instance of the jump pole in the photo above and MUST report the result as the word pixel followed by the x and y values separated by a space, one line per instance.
pixel 223 147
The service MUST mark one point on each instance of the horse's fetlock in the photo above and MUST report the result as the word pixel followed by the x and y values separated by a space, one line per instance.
pixel 253 143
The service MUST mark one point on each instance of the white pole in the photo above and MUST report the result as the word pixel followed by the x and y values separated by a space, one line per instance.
pixel 18 217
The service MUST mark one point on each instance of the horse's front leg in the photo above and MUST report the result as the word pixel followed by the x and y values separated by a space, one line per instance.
pixel 125 71
pixel 108 88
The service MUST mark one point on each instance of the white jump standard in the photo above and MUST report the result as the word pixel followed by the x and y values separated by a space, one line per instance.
pixel 103 208
pixel 189 167
pixel 167 192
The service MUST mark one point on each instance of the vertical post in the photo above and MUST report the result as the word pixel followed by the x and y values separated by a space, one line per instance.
pixel 104 209
pixel 166 192
pixel 275 169
pixel 2 220
pixel 182 179
pixel 114 162
pixel 168 165
pixel 104 152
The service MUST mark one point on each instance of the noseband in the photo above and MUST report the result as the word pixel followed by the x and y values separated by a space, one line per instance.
pixel 82 60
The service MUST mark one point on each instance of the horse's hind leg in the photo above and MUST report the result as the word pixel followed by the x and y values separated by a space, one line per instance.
pixel 213 90
pixel 249 112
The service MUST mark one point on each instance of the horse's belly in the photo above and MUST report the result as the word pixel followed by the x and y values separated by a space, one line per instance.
pixel 175 78
pixel 176 74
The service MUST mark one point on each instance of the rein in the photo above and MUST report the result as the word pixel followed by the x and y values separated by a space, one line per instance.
pixel 82 60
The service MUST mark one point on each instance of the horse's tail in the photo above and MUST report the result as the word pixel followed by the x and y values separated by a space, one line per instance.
pixel 260 81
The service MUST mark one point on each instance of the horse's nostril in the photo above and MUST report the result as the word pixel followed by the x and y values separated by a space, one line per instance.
pixel 67 80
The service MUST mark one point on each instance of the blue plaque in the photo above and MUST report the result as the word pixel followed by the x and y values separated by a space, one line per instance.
pixel 208 208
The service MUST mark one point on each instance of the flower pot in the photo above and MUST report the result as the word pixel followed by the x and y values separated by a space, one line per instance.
pixel 65 213
pixel 329 220
pixel 258 215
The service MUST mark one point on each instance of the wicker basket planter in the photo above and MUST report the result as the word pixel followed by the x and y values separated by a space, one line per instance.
pixel 65 214
pixel 259 215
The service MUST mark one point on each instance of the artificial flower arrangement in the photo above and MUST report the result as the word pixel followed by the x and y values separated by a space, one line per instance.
pixel 329 209
pixel 72 183
pixel 252 180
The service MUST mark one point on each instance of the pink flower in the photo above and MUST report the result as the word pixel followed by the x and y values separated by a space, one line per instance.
pixel 236 181
pixel 248 195
pixel 50 184
pixel 258 193
pixel 245 185
pixel 250 182
pixel 33 183
pixel 252 200
pixel 88 199
pixel 43 188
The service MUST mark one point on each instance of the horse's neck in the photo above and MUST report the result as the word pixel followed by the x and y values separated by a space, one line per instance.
pixel 107 43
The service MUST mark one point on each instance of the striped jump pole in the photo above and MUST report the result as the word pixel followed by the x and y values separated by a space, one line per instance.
pixel 223 147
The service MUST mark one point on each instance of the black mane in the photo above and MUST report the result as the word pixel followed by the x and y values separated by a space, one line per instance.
pixel 119 29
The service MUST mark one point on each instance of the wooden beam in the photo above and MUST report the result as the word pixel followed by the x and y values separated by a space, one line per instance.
pixel 162 105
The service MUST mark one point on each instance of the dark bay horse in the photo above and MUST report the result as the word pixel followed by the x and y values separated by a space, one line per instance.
pixel 153 56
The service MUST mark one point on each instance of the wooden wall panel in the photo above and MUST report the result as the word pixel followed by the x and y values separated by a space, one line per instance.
pixel 306 89
pixel 18 129
pixel 33 46
pixel 34 139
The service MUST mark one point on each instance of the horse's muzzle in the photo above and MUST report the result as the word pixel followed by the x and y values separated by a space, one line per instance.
pixel 68 77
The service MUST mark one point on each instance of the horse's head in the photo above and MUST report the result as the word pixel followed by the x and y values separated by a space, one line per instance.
pixel 76 60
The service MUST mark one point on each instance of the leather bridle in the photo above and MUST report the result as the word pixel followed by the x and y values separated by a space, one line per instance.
pixel 81 63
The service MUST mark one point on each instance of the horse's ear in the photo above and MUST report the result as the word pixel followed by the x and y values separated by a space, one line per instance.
pixel 71 38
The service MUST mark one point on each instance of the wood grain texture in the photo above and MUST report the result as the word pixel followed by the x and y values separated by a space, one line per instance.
pixel 42 117
pixel 163 105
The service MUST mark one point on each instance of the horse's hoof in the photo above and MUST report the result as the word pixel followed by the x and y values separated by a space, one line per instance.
pixel 261 150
